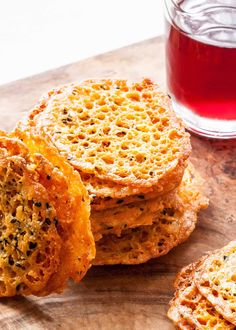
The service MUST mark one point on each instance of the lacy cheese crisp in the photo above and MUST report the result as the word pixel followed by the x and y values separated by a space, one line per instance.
pixel 45 235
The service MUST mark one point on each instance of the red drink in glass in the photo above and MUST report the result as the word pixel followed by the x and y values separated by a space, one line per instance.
pixel 201 64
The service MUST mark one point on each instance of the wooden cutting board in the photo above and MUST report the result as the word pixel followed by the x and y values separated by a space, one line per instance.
pixel 124 297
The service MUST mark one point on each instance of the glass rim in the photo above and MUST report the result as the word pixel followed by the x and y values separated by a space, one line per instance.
pixel 196 13
pixel 174 12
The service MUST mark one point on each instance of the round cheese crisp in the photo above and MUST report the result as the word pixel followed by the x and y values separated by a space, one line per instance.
pixel 188 195
pixel 45 235
pixel 119 195
pixel 137 245
pixel 216 280
pixel 189 307
pixel 119 132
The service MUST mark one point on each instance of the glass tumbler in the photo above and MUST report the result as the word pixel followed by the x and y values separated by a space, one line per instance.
pixel 201 64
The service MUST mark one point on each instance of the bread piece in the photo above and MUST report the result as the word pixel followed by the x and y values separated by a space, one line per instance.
pixel 188 305
pixel 121 132
pixel 216 280
pixel 168 207
pixel 45 235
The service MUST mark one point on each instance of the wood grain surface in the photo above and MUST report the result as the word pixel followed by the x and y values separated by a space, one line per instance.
pixel 124 297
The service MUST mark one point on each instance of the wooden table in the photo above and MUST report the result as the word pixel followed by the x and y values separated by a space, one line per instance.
pixel 124 297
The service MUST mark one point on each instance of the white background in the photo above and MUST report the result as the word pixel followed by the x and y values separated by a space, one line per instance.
pixel 40 35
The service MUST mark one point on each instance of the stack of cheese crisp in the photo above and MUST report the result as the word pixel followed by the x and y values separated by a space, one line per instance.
pixel 132 155
pixel 205 295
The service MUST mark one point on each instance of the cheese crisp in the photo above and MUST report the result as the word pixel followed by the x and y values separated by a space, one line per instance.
pixel 169 206
pixel 140 244
pixel 216 280
pixel 45 235
pixel 170 228
pixel 119 132
pixel 119 195
pixel 189 309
